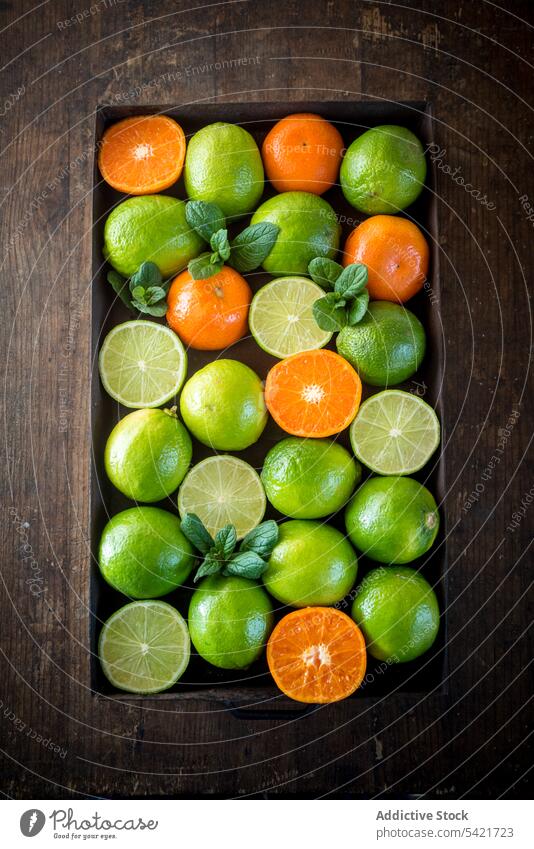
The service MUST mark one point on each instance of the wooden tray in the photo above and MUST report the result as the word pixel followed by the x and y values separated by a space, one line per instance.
pixel 252 692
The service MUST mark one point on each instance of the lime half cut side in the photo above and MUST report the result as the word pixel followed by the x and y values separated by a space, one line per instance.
pixel 142 364
pixel 223 490
pixel 395 433
pixel 144 647
pixel 281 317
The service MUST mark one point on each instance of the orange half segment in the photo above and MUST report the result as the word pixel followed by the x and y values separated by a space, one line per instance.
pixel 314 393
pixel 317 655
pixel 142 155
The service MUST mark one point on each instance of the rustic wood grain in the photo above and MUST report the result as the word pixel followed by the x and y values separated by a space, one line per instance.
pixel 470 60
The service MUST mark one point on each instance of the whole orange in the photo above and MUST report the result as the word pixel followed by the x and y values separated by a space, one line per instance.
pixel 302 153
pixel 209 314
pixel 395 253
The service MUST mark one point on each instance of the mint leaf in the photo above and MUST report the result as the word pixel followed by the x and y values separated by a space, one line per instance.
pixel 157 310
pixel 262 539
pixel 196 533
pixel 246 564
pixel 205 218
pixel 253 245
pixel 225 541
pixel 138 292
pixel 148 274
pixel 329 314
pixel 358 308
pixel 352 280
pixel 210 566
pixel 324 271
pixel 220 244
pixel 203 267
pixel 119 285
pixel 154 294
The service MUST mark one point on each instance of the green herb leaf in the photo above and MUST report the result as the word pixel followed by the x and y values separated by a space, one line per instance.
pixel 203 267
pixel 154 294
pixel 196 533
pixel 261 539
pixel 205 218
pixel 157 310
pixel 352 280
pixel 210 566
pixel 324 271
pixel 246 564
pixel 358 308
pixel 253 245
pixel 225 541
pixel 220 244
pixel 329 313
pixel 120 286
pixel 138 292
pixel 148 274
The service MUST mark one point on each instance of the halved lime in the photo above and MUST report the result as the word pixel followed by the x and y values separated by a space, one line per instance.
pixel 281 317
pixel 395 433
pixel 223 490
pixel 142 364
pixel 144 647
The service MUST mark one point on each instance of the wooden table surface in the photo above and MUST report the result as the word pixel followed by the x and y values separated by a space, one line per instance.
pixel 472 61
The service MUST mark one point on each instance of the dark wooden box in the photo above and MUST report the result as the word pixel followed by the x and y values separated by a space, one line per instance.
pixel 254 688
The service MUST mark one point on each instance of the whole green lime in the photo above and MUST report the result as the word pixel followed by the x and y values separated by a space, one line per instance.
pixel 311 564
pixel 392 519
pixel 398 612
pixel 383 170
pixel 147 454
pixel 144 554
pixel 150 228
pixel 223 405
pixel 223 166
pixel 386 347
pixel 309 478
pixel 230 619
pixel 308 228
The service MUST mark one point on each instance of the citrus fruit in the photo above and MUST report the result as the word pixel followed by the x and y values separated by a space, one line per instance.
pixel 309 478
pixel 302 153
pixel 142 155
pixel 151 228
pixel 398 612
pixel 142 364
pixel 396 255
pixel 144 647
pixel 281 317
pixel 230 620
pixel 147 454
pixel 144 554
pixel 383 170
pixel 308 229
pixel 386 347
pixel 312 563
pixel 223 405
pixel 223 490
pixel 315 393
pixel 392 519
pixel 223 166
pixel 317 655
pixel 395 433
pixel 209 314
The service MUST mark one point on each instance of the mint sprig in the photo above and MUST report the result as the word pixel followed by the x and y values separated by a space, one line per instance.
pixel 346 303
pixel 145 291
pixel 244 253
pixel 219 553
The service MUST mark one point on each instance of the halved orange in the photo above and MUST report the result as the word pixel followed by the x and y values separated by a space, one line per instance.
pixel 142 155
pixel 317 655
pixel 314 393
